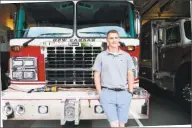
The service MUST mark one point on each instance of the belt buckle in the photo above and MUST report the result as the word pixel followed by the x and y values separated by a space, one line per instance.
pixel 117 89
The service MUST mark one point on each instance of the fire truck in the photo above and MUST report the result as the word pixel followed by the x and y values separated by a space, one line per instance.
pixel 166 57
pixel 52 54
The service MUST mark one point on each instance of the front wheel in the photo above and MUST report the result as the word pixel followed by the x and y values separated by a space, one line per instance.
pixel 187 92
pixel 184 91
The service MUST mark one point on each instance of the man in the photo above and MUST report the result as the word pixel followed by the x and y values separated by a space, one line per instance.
pixel 114 80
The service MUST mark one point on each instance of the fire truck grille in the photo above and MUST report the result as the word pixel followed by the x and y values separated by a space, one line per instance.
pixel 71 57
pixel 70 78
pixel 71 65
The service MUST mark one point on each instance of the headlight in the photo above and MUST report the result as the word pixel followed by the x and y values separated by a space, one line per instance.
pixel 17 75
pixel 17 63
pixel 24 68
pixel 29 63
pixel 29 75
pixel 24 61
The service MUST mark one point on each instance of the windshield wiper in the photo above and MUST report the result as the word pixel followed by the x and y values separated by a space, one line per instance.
pixel 54 34
pixel 27 42
pixel 104 33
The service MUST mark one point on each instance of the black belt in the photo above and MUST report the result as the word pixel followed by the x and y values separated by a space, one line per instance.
pixel 114 89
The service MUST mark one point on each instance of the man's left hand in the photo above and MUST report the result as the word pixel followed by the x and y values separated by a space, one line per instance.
pixel 130 92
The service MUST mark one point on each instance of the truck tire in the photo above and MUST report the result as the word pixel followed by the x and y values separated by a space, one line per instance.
pixel 183 87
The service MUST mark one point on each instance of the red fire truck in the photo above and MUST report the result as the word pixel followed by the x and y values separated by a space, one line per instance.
pixel 52 54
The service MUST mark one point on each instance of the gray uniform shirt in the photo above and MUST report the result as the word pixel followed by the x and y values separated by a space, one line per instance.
pixel 114 68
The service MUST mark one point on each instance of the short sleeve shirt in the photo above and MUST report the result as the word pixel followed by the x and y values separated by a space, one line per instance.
pixel 114 68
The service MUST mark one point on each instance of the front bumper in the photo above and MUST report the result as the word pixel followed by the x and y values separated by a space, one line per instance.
pixel 65 105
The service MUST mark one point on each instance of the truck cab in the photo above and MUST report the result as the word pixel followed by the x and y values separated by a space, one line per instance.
pixel 166 56
pixel 51 57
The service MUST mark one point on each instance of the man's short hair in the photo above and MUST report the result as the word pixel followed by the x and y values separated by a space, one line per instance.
pixel 112 31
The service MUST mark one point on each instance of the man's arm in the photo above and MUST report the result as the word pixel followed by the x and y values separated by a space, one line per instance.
pixel 130 74
pixel 97 81
pixel 97 73
pixel 130 80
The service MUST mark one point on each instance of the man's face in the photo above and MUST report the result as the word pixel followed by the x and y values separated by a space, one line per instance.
pixel 113 40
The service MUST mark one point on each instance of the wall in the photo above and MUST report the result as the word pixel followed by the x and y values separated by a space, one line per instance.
pixel 6 13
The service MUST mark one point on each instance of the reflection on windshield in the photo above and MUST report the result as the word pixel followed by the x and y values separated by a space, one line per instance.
pixel 96 18
pixel 100 31
pixel 45 19
pixel 48 32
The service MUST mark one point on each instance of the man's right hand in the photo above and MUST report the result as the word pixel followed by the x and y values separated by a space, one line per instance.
pixel 97 82
pixel 99 94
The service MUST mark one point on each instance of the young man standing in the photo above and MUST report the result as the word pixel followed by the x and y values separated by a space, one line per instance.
pixel 114 80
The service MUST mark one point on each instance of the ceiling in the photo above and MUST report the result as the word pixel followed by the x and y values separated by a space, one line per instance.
pixel 163 9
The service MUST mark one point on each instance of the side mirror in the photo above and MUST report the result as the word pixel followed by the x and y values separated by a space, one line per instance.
pixel 137 23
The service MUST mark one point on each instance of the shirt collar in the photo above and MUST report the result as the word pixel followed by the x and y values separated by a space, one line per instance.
pixel 120 52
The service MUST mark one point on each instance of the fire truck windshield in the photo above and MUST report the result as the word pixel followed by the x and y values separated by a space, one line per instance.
pixel 96 18
pixel 48 32
pixel 45 19
pixel 93 19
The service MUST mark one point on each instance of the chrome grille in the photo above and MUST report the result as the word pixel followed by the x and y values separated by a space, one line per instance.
pixel 70 66
pixel 71 78
pixel 71 57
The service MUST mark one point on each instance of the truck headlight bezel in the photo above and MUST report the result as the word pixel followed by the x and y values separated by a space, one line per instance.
pixel 23 68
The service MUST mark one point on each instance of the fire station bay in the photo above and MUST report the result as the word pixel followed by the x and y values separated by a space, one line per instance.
pixel 49 51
